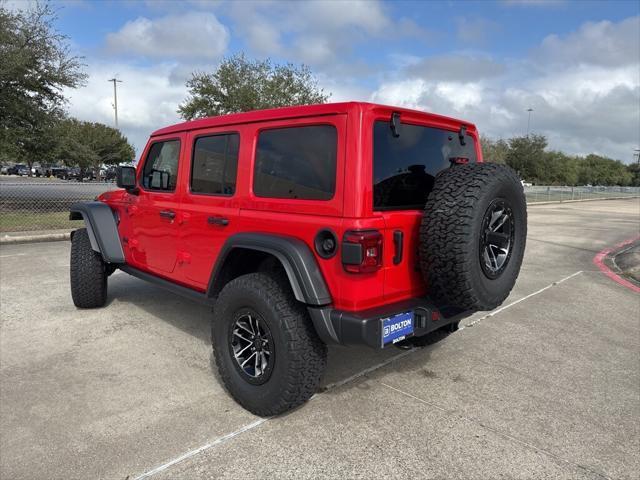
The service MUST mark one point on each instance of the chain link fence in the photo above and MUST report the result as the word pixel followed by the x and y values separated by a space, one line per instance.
pixel 563 194
pixel 32 205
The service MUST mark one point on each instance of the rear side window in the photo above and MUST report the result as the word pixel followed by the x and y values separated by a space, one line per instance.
pixel 215 164
pixel 161 168
pixel 296 162
pixel 404 167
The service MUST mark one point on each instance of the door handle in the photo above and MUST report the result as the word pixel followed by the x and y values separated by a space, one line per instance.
pixel 168 214
pixel 218 221
pixel 397 242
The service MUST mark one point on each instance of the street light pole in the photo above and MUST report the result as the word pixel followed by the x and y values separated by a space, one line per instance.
pixel 529 120
pixel 115 97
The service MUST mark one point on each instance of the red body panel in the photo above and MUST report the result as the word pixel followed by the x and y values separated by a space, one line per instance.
pixel 185 249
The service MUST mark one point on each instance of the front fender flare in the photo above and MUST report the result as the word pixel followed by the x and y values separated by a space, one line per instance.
pixel 101 226
pixel 304 275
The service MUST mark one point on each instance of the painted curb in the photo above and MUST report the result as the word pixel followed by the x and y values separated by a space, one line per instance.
pixel 598 261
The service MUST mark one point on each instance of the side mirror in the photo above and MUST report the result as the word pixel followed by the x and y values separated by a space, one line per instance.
pixel 126 178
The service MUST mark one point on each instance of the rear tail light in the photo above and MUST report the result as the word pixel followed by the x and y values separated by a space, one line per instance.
pixel 459 160
pixel 362 251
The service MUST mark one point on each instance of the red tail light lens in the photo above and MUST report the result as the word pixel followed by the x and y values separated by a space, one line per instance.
pixel 362 251
pixel 459 160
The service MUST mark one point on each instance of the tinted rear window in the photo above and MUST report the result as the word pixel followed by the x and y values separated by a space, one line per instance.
pixel 296 162
pixel 404 167
pixel 215 164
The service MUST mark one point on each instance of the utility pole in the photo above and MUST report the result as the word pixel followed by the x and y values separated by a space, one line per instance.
pixel 115 96
pixel 529 120
pixel 636 155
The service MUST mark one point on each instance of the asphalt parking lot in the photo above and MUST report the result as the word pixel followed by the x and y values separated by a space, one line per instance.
pixel 547 386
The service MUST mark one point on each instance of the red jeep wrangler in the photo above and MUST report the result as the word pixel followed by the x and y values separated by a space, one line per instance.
pixel 346 223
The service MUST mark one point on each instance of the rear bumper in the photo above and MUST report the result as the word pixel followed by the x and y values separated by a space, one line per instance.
pixel 365 327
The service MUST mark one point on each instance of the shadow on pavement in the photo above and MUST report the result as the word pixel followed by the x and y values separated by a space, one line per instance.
pixel 194 319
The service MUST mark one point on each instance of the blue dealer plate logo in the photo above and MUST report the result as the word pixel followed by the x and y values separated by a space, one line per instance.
pixel 397 328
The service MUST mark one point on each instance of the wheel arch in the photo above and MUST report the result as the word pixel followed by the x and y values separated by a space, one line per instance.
pixel 102 229
pixel 246 252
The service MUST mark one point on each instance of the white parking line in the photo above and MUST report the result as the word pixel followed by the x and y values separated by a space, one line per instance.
pixel 494 312
pixel 257 423
pixel 202 448
pixel 13 255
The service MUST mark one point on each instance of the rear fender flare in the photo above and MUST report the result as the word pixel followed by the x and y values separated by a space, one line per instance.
pixel 298 261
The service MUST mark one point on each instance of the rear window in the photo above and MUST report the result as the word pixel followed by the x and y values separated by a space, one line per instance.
pixel 215 164
pixel 296 162
pixel 404 167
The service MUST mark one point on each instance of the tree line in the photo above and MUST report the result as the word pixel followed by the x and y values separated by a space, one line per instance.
pixel 35 67
pixel 536 164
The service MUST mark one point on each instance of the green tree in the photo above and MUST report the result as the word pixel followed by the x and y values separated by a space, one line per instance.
pixel 525 154
pixel 89 145
pixel 35 67
pixel 240 85
pixel 556 168
pixel 494 151
pixel 599 170
pixel 634 171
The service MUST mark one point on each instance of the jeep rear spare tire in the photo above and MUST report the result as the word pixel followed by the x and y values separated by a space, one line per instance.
pixel 473 235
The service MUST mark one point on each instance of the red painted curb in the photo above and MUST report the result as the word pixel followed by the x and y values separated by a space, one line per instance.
pixel 598 260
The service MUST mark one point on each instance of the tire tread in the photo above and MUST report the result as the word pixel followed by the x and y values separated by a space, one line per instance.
pixel 307 352
pixel 88 273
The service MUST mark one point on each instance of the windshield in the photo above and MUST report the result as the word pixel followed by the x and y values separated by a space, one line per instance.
pixel 404 167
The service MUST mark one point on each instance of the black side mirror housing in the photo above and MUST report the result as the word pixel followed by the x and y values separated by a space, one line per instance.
pixel 126 178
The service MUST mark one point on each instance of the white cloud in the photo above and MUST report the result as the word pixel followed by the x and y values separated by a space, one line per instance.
pixel 316 32
pixel 403 93
pixel 600 43
pixel 187 35
pixel 461 68
pixel 475 31
pixel 366 15
pixel 582 102
pixel 147 99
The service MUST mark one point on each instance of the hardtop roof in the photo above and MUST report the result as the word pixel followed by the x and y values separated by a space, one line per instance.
pixel 291 112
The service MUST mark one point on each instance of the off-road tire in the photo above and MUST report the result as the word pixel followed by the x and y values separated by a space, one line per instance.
pixel 88 273
pixel 452 228
pixel 300 355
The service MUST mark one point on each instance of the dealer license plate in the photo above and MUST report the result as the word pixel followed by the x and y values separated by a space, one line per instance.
pixel 397 327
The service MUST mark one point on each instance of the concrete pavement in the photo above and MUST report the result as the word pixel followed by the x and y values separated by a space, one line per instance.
pixel 547 387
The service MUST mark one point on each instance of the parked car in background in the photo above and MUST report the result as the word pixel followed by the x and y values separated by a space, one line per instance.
pixel 78 174
pixel 39 171
pixel 108 174
pixel 4 170
pixel 60 172
pixel 18 169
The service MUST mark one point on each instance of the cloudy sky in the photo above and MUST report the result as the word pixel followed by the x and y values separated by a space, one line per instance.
pixel 576 63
